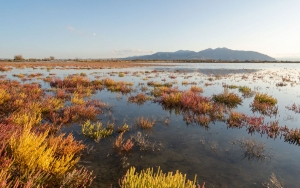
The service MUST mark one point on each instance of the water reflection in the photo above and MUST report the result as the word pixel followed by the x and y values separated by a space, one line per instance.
pixel 191 139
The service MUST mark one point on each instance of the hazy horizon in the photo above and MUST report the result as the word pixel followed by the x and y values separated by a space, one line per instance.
pixel 117 29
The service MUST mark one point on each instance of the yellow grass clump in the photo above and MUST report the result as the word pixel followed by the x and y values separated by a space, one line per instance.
pixel 264 98
pixel 76 99
pixel 121 74
pixel 84 91
pixel 231 100
pixel 96 131
pixel 52 103
pixel 148 178
pixel 31 116
pixel 4 96
pixel 32 152
pixel 173 99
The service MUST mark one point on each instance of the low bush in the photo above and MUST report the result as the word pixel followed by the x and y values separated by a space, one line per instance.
pixel 231 100
pixel 95 131
pixel 264 108
pixel 246 91
pixel 171 100
pixel 264 98
pixel 236 119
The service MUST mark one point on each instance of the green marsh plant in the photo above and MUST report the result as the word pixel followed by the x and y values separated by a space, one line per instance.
pixel 231 100
pixel 264 104
pixel 95 131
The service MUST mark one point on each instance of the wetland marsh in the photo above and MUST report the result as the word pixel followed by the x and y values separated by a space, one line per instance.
pixel 231 124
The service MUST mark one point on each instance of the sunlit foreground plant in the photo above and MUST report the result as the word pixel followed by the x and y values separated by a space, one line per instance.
pixel 148 178
pixel 32 151
pixel 31 154
pixel 33 159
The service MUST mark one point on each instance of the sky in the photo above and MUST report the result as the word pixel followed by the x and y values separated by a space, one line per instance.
pixel 114 29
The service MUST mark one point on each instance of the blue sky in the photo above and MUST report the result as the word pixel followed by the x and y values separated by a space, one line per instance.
pixel 112 29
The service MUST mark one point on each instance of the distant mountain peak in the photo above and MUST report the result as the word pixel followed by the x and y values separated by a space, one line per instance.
pixel 209 53
pixel 184 51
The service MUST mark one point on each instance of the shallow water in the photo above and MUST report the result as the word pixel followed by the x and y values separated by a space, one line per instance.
pixel 192 149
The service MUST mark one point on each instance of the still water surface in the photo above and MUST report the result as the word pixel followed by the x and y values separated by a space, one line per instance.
pixel 211 153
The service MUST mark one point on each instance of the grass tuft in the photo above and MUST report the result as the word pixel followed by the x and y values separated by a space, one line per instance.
pixel 95 131
pixel 264 98
pixel 231 100
pixel 148 178
pixel 144 123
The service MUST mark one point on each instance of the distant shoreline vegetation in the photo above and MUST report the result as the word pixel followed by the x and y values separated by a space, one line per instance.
pixel 31 60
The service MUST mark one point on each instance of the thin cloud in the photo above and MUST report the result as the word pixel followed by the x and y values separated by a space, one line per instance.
pixel 131 51
pixel 70 28
pixel 73 30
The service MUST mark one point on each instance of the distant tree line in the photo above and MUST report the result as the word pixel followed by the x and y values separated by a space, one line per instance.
pixel 20 58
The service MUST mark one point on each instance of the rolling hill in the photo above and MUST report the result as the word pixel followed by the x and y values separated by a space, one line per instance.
pixel 216 54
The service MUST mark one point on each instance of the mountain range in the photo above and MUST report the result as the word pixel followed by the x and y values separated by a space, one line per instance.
pixel 215 54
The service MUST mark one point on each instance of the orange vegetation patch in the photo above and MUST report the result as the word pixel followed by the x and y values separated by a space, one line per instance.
pixel 102 64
